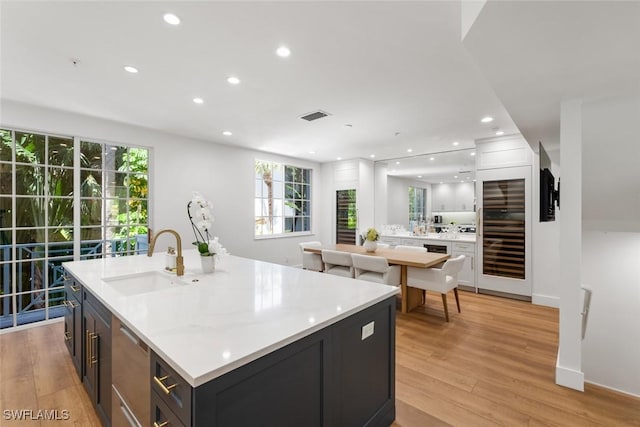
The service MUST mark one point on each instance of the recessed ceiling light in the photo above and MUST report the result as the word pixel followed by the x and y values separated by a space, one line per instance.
pixel 338 158
pixel 473 153
pixel 198 100
pixel 283 52
pixel 397 163
pixel 170 18
pixel 227 133
pixel 312 152
pixel 409 150
pixel 487 119
pixel 419 176
pixel 130 69
pixel 372 155
pixel 500 133
pixel 474 180
pixel 456 143
pixel 233 80
pixel 455 176
pixel 432 158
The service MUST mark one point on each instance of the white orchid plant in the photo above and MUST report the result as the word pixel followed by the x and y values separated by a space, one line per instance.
pixel 201 218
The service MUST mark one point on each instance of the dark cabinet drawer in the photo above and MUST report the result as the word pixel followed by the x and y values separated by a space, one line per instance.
pixel 172 389
pixel 161 415
pixel 72 288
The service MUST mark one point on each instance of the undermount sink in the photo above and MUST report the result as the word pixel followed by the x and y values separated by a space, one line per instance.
pixel 143 283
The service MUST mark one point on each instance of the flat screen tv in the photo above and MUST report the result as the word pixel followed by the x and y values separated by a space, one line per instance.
pixel 548 194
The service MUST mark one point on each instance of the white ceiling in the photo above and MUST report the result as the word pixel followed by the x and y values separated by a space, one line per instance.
pixel 445 167
pixel 537 54
pixel 383 67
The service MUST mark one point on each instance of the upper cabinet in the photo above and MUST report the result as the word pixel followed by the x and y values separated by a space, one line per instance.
pixel 455 197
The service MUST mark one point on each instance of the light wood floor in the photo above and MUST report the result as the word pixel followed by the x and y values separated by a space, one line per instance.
pixel 493 364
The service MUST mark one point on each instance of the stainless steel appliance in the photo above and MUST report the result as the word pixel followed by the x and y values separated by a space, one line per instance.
pixel 131 390
pixel 437 219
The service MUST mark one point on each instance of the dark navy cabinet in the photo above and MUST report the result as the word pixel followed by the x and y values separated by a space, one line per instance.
pixel 342 375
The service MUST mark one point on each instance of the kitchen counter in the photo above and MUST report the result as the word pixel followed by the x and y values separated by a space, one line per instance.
pixel 208 325
pixel 446 237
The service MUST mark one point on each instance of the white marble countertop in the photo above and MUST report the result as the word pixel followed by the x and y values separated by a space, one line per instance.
pixel 447 237
pixel 242 311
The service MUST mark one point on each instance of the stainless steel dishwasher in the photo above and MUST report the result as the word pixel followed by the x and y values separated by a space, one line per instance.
pixel 131 388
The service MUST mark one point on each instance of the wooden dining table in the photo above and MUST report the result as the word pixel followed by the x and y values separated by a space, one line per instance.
pixel 411 297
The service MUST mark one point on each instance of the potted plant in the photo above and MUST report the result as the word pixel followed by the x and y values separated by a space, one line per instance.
pixel 370 239
pixel 199 211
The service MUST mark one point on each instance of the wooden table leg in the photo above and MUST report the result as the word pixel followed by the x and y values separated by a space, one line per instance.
pixel 411 297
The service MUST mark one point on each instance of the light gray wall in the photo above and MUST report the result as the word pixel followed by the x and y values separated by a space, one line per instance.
pixel 223 174
pixel 611 242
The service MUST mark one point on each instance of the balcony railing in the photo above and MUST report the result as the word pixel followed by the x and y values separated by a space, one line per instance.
pixel 31 290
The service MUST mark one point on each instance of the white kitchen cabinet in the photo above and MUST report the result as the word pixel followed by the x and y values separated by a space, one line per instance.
pixel 442 197
pixel 467 276
pixel 453 197
pixel 464 197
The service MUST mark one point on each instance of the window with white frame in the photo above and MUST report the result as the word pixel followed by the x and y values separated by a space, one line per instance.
pixel 282 199
pixel 38 207
pixel 417 203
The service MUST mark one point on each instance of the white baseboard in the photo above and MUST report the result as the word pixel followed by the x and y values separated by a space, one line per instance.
pixel 569 378
pixel 546 300
pixel 617 390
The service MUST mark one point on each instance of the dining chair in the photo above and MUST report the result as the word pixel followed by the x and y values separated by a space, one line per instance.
pixel 411 248
pixel 338 263
pixel 440 280
pixel 375 269
pixel 311 261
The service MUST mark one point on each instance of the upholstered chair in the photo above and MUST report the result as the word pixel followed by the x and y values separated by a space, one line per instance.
pixel 311 261
pixel 440 280
pixel 338 263
pixel 375 269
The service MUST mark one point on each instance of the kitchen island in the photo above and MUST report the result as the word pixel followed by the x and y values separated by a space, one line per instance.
pixel 253 342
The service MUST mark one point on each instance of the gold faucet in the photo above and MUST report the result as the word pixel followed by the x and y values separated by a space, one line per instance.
pixel 179 259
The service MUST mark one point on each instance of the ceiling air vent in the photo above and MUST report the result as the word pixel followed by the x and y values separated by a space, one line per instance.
pixel 314 116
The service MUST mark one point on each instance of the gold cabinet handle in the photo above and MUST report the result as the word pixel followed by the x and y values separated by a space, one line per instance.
pixel 93 358
pixel 87 349
pixel 67 336
pixel 155 424
pixel 166 388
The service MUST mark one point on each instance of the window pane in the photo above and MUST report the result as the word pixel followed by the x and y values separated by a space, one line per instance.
pixel 138 211
pixel 277 172
pixel 29 276
pixel 6 145
pixel 91 183
pixel 115 158
pixel 91 212
pixel 6 178
pixel 277 225
pixel 30 180
pixel 6 312
pixel 116 211
pixel 90 155
pixel 5 214
pixel 60 182
pixel 31 307
pixel 60 151
pixel 138 160
pixel 30 211
pixel 30 148
pixel 306 192
pixel 60 212
pixel 306 175
pixel 137 184
pixel 60 247
pixel 116 185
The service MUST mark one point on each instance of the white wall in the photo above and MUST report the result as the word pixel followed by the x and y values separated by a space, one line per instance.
pixel 223 174
pixel 611 242
pixel 546 241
